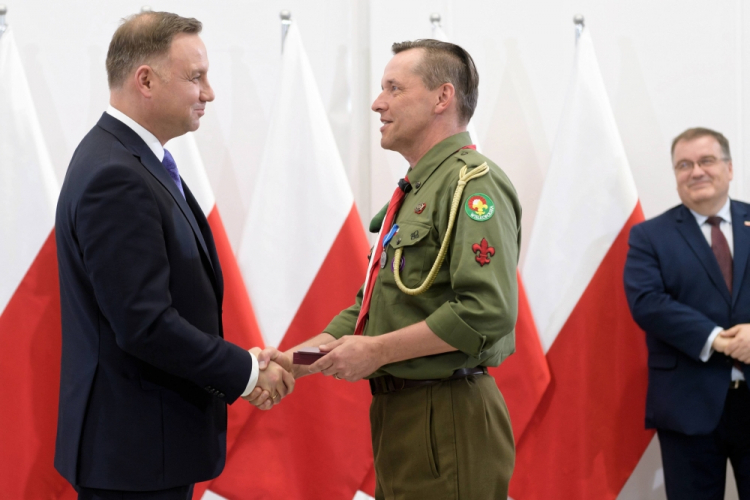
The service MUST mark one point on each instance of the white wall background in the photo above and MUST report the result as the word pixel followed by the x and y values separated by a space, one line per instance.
pixel 668 65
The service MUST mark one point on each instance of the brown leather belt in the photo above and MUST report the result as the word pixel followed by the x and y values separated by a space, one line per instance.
pixel 389 383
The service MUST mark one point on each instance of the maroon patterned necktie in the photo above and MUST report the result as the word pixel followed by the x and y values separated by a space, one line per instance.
pixel 721 250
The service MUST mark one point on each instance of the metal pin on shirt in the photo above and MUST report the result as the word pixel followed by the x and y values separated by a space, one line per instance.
pixel 387 239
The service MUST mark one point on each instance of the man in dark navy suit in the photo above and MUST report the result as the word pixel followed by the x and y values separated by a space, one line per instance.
pixel 146 374
pixel 687 283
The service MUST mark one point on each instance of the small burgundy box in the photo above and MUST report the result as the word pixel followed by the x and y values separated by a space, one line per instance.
pixel 307 356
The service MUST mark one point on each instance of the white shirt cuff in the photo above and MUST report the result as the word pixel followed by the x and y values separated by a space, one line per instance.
pixel 707 349
pixel 253 376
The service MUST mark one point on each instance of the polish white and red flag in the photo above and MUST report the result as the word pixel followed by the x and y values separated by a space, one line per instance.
pixel 30 338
pixel 303 256
pixel 524 376
pixel 587 435
pixel 238 316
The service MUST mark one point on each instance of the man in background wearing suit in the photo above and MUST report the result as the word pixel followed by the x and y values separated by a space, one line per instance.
pixel 146 374
pixel 687 283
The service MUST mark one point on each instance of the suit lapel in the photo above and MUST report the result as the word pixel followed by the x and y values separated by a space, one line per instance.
pixel 205 230
pixel 135 144
pixel 688 228
pixel 741 235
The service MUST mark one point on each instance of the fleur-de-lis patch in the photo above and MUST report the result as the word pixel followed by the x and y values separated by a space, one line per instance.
pixel 483 251
pixel 415 235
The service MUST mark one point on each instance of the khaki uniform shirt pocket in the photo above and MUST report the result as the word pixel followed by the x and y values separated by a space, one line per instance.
pixel 415 264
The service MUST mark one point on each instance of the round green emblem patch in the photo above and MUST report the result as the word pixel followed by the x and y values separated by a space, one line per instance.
pixel 479 207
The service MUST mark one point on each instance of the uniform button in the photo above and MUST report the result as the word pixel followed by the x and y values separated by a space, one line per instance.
pixel 417 184
pixel 398 241
pixel 221 394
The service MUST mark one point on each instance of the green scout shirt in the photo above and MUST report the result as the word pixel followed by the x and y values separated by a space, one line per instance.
pixel 470 306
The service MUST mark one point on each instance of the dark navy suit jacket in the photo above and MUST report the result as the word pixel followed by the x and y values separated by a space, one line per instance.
pixel 677 296
pixel 146 374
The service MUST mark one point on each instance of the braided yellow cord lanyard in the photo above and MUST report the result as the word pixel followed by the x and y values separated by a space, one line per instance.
pixel 463 179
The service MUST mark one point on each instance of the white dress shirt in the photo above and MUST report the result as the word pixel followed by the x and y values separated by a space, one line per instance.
pixel 153 143
pixel 726 228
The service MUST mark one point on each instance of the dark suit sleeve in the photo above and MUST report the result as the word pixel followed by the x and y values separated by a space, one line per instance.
pixel 653 308
pixel 119 227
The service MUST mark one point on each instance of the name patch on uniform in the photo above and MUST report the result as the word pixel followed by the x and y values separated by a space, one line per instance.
pixel 479 207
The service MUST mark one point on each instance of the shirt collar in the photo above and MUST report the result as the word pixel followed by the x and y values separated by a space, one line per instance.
pixel 150 139
pixel 435 157
pixel 725 213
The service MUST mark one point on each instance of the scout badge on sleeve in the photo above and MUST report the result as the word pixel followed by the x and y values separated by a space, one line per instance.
pixel 483 251
pixel 464 176
pixel 479 207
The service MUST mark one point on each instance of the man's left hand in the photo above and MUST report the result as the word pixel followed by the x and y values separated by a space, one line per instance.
pixel 739 345
pixel 350 358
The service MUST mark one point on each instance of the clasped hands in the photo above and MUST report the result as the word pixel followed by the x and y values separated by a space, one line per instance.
pixel 734 342
pixel 349 358
pixel 275 380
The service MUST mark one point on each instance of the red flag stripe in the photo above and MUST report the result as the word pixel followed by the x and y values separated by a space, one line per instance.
pixel 524 376
pixel 587 434
pixel 30 347
pixel 283 446
pixel 368 485
pixel 240 326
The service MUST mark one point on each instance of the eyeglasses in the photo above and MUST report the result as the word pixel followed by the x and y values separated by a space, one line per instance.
pixel 705 162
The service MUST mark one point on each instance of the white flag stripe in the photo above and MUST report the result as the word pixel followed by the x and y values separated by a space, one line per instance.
pixel 647 480
pixel 362 496
pixel 189 162
pixel 28 186
pixel 579 216
pixel 439 34
pixel 210 495
pixel 280 252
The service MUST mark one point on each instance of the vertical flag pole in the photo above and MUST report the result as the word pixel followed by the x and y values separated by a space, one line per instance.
pixel 579 22
pixel 286 21
pixel 3 26
pixel 435 21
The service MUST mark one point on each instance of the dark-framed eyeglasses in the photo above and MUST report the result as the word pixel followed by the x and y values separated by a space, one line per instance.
pixel 705 162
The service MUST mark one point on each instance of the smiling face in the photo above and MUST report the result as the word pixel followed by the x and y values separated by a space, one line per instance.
pixel 703 188
pixel 182 90
pixel 405 105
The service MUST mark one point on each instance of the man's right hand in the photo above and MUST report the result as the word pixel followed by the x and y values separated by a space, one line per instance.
pixel 274 383
pixel 738 342
pixel 722 341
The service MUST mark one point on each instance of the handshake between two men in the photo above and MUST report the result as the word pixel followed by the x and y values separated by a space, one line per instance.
pixel 350 358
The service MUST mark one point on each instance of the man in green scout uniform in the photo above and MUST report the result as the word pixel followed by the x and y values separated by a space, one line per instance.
pixel 441 291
